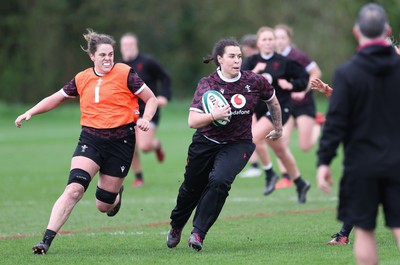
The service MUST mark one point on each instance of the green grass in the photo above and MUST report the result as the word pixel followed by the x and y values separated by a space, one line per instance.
pixel 252 229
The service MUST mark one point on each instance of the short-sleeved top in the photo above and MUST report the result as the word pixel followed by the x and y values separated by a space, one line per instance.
pixel 153 74
pixel 280 67
pixel 303 59
pixel 106 101
pixel 242 93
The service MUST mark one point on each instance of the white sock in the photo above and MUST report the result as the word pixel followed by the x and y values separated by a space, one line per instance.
pixel 268 166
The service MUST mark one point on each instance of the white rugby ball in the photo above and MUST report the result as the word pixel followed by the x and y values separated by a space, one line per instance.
pixel 209 99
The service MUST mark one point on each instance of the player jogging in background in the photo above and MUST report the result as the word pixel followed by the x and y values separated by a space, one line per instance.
pixel 109 110
pixel 158 80
pixel 248 43
pixel 303 108
pixel 286 76
pixel 218 153
pixel 361 116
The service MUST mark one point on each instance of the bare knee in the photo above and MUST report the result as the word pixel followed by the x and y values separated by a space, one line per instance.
pixel 74 192
pixel 305 146
pixel 280 152
pixel 146 148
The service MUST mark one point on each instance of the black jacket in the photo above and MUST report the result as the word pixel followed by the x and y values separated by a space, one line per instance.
pixel 362 114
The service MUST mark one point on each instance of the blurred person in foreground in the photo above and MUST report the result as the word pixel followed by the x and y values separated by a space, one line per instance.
pixel 361 116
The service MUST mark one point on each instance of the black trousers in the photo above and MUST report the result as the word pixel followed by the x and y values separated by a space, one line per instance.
pixel 210 171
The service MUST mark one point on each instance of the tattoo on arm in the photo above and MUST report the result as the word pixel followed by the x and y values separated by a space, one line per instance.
pixel 276 114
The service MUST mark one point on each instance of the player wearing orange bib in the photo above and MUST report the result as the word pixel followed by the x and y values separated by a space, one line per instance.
pixel 109 106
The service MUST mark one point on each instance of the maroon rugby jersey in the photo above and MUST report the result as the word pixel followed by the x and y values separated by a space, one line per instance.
pixel 303 59
pixel 242 93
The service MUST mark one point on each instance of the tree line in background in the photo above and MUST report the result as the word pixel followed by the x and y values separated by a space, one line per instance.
pixel 40 39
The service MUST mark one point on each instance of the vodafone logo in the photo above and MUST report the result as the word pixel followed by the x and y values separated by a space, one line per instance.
pixel 238 101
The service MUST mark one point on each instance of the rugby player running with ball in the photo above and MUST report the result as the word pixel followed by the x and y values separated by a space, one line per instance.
pixel 218 153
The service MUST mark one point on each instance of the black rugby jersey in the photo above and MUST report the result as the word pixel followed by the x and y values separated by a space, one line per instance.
pixel 151 72
pixel 280 67
pixel 303 59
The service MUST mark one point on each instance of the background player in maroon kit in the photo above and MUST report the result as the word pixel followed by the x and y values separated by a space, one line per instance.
pixel 217 154
pixel 303 107
pixel 158 80
pixel 286 76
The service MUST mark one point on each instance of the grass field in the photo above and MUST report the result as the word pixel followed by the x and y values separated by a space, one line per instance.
pixel 252 229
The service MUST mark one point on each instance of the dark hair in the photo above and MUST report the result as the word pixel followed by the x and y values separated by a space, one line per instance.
pixel 372 20
pixel 249 40
pixel 94 39
pixel 219 50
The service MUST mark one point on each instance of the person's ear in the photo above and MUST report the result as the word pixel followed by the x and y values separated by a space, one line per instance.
pixel 91 57
pixel 356 32
pixel 388 31
pixel 219 58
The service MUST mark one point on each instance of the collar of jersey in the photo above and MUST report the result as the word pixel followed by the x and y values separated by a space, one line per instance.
pixel 97 73
pixel 267 57
pixel 286 51
pixel 228 80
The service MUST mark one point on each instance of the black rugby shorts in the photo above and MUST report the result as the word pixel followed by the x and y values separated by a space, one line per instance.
pixel 114 156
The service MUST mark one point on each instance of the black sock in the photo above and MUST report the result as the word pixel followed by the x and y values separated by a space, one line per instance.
pixel 254 165
pixel 285 176
pixel 49 236
pixel 299 182
pixel 269 173
pixel 346 230
pixel 139 175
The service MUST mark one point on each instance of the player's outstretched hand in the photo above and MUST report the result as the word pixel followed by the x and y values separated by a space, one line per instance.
pixel 274 135
pixel 143 124
pixel 26 116
pixel 318 85
pixel 324 178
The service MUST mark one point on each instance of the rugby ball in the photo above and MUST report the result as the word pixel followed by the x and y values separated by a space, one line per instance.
pixel 209 99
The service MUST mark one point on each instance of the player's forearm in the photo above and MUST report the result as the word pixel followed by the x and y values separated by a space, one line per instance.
pixel 198 120
pixel 276 114
pixel 47 104
pixel 314 73
pixel 150 109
